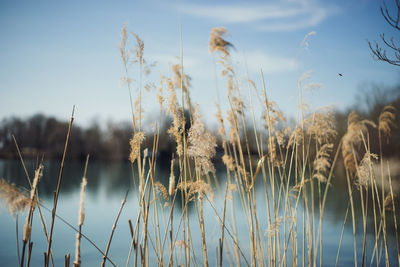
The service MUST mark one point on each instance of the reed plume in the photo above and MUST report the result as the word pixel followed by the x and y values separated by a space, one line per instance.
pixel 364 170
pixel 178 119
pixel 162 190
pixel 135 143
pixel 201 144
pixel 321 126
pixel 229 162
pixel 14 199
pixel 217 43
pixel 122 47
pixel 353 138
pixel 199 188
pixel 386 120
pixel 138 49
pixel 322 162
pixel 388 204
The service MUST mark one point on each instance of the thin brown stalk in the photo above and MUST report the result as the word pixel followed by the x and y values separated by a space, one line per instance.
pixel 60 176
pixel 113 229
pixel 394 214
pixel 28 258
pixel 28 224
pixel 67 260
pixel 77 230
pixel 341 235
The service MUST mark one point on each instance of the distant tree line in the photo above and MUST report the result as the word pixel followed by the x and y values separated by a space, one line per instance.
pixel 41 135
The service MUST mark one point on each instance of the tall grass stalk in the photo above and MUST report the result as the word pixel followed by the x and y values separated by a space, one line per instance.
pixel 57 192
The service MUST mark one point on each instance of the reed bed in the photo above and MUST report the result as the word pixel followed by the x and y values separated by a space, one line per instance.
pixel 293 164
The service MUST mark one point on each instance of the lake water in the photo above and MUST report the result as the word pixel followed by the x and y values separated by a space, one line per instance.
pixel 107 184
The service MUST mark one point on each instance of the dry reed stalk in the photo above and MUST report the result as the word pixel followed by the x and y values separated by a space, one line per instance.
pixel 113 229
pixel 28 224
pixel 77 230
pixel 67 260
pixel 147 206
pixel 233 236
pixel 271 170
pixel 350 191
pixel 60 176
pixel 126 59
pixel 352 139
pixel 22 161
pixel 171 190
pixel 385 121
pixel 37 198
pixel 81 217
pixel 341 235
pixel 28 258
pixel 156 227
pixel 203 233
pixel 394 214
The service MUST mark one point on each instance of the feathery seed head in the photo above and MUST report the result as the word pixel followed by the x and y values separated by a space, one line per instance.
pixel 353 138
pixel 322 162
pixel 201 144
pixel 217 43
pixel 178 120
pixel 122 47
pixel 364 170
pixel 135 143
pixel 229 162
pixel 322 127
pixel 139 48
pixel 386 120
pixel 198 187
pixel 15 200
pixel 162 190
pixel 388 204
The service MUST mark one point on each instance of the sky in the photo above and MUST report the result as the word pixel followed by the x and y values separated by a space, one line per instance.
pixel 56 54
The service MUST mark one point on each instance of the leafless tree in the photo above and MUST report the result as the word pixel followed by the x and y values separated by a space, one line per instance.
pixel 380 51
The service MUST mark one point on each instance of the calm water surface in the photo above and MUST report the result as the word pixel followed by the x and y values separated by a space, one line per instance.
pixel 107 184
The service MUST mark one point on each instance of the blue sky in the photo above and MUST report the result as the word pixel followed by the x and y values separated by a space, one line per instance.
pixel 56 54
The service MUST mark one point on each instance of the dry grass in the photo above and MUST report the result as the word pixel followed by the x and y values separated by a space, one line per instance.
pixel 293 165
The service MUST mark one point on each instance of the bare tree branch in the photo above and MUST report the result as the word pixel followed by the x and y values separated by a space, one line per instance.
pixel 378 52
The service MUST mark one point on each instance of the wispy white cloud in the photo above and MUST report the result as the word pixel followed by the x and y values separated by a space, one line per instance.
pixel 269 63
pixel 279 16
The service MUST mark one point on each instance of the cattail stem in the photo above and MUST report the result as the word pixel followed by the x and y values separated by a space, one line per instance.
pixel 60 176
pixel 67 259
pixel 28 223
pixel 203 234
pixel 81 218
pixel 28 259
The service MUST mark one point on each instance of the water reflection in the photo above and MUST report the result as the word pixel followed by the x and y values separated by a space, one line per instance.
pixel 107 183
